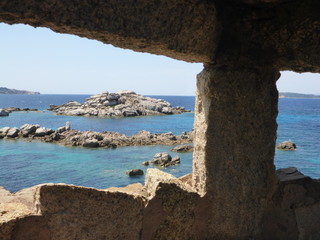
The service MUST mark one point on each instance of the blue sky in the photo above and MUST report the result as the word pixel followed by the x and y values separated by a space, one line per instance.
pixel 40 60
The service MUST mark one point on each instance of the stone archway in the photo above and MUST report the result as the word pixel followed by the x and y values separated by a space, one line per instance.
pixel 235 193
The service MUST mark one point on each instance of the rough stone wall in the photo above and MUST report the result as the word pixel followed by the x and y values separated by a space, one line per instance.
pixel 165 208
pixel 244 43
pixel 233 157
pixel 173 28
pixel 65 212
pixel 279 33
pixel 274 32
pixel 294 212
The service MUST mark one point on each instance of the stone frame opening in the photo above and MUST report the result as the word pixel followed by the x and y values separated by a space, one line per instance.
pixel 235 194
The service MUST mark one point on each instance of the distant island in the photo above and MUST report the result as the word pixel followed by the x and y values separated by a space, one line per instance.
pixel 4 90
pixel 297 95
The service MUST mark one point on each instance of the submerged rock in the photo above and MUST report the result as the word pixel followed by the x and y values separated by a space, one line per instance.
pixel 121 104
pixel 134 172
pixel 286 145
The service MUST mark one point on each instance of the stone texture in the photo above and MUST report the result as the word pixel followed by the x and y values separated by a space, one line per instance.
pixel 283 33
pixel 66 212
pixel 179 29
pixel 169 200
pixel 294 211
pixel 235 131
pixel 244 44
pixel 287 174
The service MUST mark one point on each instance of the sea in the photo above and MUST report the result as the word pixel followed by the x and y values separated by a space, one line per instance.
pixel 25 164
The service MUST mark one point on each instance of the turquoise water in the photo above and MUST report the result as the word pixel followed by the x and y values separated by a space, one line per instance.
pixel 24 164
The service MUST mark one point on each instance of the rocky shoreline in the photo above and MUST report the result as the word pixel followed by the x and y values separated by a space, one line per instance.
pixel 90 139
pixel 4 112
pixel 121 104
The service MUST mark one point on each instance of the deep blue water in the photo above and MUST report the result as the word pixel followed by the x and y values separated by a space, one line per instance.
pixel 24 164
pixel 129 126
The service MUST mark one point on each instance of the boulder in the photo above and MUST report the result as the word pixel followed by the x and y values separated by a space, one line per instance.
pixel 161 158
pixel 134 172
pixel 91 143
pixel 130 113
pixel 3 113
pixel 166 110
pixel 40 132
pixel 286 145
pixel 182 148
pixel 4 131
pixel 13 132
pixel 28 129
pixel 146 163
pixel 174 161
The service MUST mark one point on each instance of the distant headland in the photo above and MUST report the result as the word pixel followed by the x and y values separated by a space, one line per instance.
pixel 297 95
pixel 4 90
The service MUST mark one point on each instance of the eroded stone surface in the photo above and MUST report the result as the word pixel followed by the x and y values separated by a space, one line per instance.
pixel 170 210
pixel 264 32
pixel 165 208
pixel 294 211
pixel 235 131
pixel 179 29
pixel 246 43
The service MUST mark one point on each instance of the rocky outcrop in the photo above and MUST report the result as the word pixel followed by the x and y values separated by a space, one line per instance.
pixel 12 132
pixel 3 113
pixel 165 160
pixel 90 139
pixel 286 145
pixel 15 109
pixel 121 104
pixel 244 45
pixel 182 148
pixel 134 172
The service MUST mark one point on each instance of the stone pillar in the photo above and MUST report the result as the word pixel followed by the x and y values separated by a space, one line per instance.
pixel 235 133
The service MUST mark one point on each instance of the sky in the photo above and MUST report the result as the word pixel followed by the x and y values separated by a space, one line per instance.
pixel 39 59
